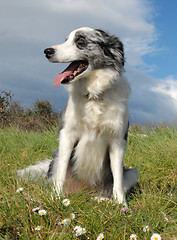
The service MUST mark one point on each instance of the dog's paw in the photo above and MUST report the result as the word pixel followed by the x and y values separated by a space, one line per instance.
pixel 54 196
pixel 57 191
pixel 120 199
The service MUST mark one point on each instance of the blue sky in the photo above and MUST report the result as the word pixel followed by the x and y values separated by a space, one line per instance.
pixel 147 29
pixel 165 18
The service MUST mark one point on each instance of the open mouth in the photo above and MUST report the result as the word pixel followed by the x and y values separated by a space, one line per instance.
pixel 72 71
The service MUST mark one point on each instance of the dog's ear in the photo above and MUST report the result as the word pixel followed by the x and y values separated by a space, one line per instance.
pixel 112 47
pixel 119 51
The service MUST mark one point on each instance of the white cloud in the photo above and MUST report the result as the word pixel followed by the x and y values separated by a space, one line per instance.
pixel 167 87
pixel 40 20
pixel 31 26
pixel 152 99
pixel 128 19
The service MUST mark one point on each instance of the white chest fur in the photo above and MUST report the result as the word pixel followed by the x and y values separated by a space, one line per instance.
pixel 90 154
pixel 93 123
pixel 93 120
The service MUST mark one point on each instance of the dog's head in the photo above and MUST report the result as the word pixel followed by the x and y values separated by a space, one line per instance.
pixel 87 49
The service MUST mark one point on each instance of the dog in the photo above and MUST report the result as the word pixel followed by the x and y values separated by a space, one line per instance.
pixel 95 123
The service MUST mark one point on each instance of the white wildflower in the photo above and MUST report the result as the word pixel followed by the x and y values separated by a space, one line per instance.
pixel 66 202
pixel 65 221
pixel 19 190
pixel 38 228
pixel 78 231
pixel 72 216
pixel 155 236
pixel 42 212
pixel 100 236
pixel 133 237
pixel 146 229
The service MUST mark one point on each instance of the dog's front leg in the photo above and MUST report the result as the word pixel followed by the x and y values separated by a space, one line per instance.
pixel 116 160
pixel 66 144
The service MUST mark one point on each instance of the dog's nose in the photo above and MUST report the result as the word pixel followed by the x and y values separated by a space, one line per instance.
pixel 49 52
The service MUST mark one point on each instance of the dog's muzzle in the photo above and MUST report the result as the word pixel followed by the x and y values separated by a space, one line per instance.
pixel 49 52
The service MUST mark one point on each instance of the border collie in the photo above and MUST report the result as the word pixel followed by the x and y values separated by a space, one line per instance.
pixel 95 124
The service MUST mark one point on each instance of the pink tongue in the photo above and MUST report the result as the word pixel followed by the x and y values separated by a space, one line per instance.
pixel 66 73
pixel 60 77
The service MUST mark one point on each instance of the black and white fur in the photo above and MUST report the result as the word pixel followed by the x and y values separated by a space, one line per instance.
pixel 95 123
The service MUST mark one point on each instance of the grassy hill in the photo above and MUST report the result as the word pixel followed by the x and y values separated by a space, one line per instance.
pixel 153 202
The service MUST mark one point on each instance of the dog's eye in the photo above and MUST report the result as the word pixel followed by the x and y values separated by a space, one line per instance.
pixel 80 41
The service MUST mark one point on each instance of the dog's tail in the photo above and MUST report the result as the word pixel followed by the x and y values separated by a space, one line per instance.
pixel 130 177
pixel 40 170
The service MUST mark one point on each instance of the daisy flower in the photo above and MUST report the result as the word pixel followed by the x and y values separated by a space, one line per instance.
pixel 38 228
pixel 66 202
pixel 42 212
pixel 146 229
pixel 75 229
pixel 19 190
pixel 65 221
pixel 72 216
pixel 133 237
pixel 155 236
pixel 100 236
pixel 78 231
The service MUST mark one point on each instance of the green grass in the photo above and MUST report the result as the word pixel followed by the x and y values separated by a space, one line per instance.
pixel 155 155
